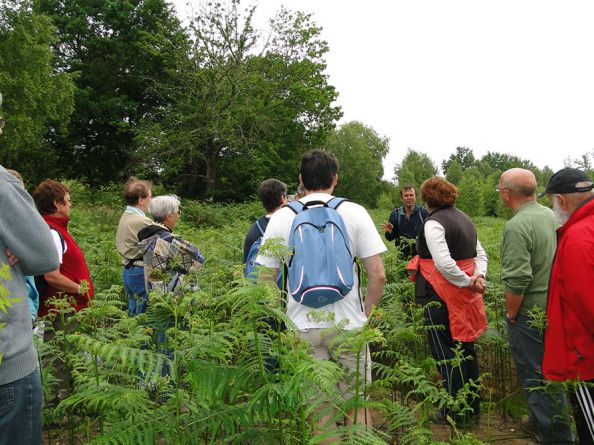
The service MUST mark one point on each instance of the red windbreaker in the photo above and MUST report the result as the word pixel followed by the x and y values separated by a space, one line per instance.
pixel 569 337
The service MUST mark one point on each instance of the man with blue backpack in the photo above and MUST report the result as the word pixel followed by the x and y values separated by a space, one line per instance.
pixel 325 235
pixel 273 195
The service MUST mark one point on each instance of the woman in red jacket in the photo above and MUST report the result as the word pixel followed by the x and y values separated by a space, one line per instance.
pixel 53 202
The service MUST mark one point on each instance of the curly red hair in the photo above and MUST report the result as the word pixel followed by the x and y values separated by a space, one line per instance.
pixel 438 192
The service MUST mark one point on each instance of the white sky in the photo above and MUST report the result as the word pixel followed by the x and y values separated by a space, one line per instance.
pixel 512 76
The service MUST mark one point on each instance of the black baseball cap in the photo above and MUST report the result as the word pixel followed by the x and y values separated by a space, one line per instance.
pixel 566 181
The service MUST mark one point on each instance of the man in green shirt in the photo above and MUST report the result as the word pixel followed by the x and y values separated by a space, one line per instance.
pixel 527 252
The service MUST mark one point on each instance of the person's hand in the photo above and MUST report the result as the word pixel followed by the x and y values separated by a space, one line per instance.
pixel 477 284
pixel 12 259
pixel 386 226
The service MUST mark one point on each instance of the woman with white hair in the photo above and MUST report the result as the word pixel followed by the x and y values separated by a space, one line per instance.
pixel 166 254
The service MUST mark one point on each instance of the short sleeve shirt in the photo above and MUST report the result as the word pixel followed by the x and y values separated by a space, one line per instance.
pixel 364 241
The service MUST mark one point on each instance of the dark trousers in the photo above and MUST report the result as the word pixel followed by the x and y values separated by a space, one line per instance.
pixel 582 400
pixel 453 375
pixel 549 410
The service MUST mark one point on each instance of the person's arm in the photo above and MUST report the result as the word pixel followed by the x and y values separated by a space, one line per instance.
pixel 376 279
pixel 391 227
pixel 61 283
pixel 24 232
pixel 516 271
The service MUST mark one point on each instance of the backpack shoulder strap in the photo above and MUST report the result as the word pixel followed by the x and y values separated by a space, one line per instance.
pixel 335 202
pixel 62 241
pixel 295 206
pixel 260 228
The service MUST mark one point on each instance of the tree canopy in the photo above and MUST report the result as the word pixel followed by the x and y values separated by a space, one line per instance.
pixel 38 100
pixel 360 152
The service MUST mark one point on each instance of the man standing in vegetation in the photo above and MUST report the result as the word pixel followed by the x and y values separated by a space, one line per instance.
pixel 319 175
pixel 405 222
pixel 23 235
pixel 527 252
pixel 137 194
pixel 569 336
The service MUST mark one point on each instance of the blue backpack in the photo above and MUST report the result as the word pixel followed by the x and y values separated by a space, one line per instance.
pixel 249 271
pixel 320 268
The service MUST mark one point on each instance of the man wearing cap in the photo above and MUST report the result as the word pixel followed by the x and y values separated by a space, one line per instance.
pixel 527 252
pixel 569 336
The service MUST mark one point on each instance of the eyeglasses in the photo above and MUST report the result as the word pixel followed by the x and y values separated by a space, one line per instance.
pixel 2 122
pixel 500 189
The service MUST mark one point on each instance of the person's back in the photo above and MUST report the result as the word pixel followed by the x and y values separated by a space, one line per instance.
pixel 137 195
pixel 532 226
pixel 319 175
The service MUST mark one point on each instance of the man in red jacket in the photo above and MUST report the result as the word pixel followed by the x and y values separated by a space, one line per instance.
pixel 569 337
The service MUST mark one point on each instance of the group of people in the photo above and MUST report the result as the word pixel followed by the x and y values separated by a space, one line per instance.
pixel 546 255
pixel 547 264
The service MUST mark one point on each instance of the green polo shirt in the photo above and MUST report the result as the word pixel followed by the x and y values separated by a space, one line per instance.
pixel 527 251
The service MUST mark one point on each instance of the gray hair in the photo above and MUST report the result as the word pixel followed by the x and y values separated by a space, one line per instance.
pixel 162 206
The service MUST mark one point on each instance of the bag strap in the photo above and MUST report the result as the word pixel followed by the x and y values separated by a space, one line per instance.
pixel 293 205
pixel 260 228
pixel 62 241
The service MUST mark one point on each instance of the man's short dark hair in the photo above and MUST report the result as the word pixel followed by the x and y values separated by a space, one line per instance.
pixel 135 189
pixel 318 168
pixel 407 187
pixel 271 192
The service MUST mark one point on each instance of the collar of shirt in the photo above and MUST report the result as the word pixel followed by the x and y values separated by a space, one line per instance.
pixel 136 210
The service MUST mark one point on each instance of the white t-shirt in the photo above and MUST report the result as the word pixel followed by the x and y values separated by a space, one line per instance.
pixel 58 243
pixel 364 241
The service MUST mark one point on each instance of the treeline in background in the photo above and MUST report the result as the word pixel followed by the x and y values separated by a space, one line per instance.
pixel 98 90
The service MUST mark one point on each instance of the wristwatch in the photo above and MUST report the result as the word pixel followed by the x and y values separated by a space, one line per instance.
pixel 511 320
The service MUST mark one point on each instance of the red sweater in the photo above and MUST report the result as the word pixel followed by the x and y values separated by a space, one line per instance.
pixel 73 267
pixel 569 337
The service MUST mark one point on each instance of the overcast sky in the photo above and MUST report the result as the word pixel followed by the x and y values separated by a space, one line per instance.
pixel 509 76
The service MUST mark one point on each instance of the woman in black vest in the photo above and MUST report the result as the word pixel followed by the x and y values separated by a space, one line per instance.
pixel 452 269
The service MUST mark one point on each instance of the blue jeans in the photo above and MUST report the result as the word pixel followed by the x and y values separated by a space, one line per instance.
pixel 134 284
pixel 20 411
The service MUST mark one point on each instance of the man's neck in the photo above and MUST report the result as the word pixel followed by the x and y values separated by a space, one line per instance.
pixel 409 209
pixel 326 191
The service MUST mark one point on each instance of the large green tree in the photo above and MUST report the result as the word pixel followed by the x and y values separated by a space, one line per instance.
pixel 360 152
pixel 118 49
pixel 239 112
pixel 414 169
pixel 38 101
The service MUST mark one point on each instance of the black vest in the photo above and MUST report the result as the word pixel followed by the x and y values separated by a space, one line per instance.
pixel 461 239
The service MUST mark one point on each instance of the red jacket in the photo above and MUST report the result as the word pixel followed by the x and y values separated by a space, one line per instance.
pixel 73 267
pixel 569 337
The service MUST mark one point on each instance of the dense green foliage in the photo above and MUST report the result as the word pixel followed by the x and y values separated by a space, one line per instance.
pixel 38 100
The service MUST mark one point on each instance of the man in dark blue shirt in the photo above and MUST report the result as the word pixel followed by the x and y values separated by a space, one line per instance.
pixel 405 222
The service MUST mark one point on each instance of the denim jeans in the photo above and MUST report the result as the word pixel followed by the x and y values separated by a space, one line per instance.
pixel 549 410
pixel 20 411
pixel 134 284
